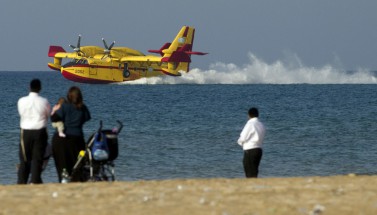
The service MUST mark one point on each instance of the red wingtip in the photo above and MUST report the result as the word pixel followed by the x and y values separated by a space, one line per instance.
pixel 55 49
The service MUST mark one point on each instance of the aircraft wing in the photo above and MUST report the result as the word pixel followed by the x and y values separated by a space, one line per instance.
pixel 149 58
pixel 66 55
pixel 59 52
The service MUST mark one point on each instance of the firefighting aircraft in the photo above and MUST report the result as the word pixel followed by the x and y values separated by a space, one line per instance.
pixel 96 65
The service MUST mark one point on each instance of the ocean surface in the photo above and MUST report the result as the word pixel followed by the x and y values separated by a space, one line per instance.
pixel 188 127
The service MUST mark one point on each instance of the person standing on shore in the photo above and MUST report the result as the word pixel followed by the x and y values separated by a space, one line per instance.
pixel 34 112
pixel 251 139
pixel 73 113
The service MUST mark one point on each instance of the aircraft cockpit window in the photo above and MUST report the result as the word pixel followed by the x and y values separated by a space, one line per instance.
pixel 70 63
pixel 82 61
pixel 74 62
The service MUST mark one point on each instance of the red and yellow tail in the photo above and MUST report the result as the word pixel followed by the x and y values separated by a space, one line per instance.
pixel 177 54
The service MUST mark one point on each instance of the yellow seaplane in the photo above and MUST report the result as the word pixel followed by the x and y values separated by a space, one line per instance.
pixel 97 65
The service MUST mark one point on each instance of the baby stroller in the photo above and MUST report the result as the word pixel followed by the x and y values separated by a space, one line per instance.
pixel 96 163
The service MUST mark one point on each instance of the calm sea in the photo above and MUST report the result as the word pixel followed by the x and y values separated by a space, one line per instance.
pixel 190 130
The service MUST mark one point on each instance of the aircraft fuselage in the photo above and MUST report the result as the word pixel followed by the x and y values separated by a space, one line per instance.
pixel 100 72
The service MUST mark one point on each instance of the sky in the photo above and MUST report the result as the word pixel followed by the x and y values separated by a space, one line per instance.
pixel 314 33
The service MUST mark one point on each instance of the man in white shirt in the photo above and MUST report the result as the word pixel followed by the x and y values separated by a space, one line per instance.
pixel 251 139
pixel 34 112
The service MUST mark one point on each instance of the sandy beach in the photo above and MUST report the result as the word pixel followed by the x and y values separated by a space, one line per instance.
pixel 348 194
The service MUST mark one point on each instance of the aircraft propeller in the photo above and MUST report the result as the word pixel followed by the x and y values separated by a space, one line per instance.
pixel 77 47
pixel 107 48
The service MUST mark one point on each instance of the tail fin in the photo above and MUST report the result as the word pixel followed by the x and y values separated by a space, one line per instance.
pixel 177 54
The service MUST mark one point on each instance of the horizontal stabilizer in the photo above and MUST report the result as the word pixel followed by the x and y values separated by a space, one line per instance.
pixel 196 53
pixel 154 51
pixel 165 46
pixel 187 48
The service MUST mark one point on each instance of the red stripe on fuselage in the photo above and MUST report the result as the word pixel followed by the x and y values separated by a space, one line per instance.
pixel 80 79
pixel 106 67
pixel 96 66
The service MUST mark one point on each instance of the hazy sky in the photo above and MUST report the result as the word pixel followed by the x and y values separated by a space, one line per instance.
pixel 318 32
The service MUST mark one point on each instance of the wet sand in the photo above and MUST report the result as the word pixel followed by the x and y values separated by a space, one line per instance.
pixel 307 195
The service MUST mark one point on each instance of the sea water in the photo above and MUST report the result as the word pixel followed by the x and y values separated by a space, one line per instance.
pixel 189 129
